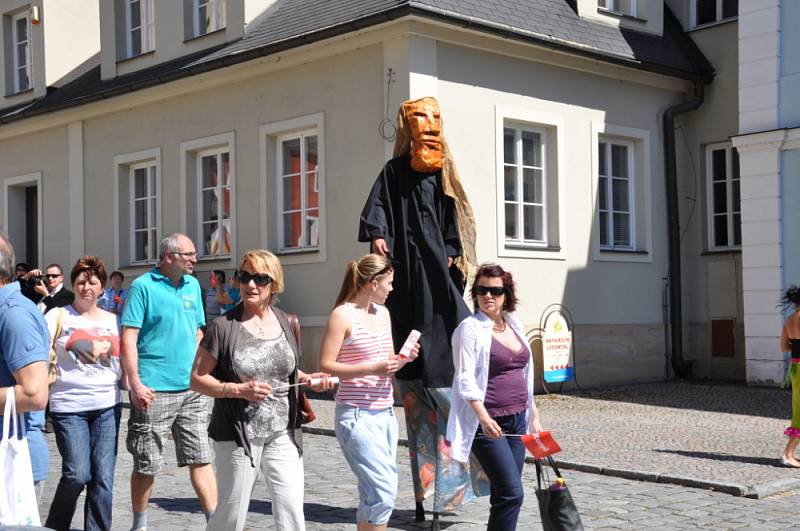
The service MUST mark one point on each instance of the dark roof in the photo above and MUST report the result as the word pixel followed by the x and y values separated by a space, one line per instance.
pixel 292 23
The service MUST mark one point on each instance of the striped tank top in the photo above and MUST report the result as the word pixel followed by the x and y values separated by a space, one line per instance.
pixel 363 346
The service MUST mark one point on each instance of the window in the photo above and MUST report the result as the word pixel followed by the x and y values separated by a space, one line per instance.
pixel 624 7
pixel 144 228
pixel 524 185
pixel 140 26
pixel 21 37
pixel 710 11
pixel 615 189
pixel 298 190
pixel 214 187
pixel 724 211
pixel 209 15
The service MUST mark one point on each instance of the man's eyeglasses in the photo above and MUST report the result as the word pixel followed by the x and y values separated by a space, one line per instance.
pixel 185 254
pixel 261 279
pixel 51 276
pixel 496 291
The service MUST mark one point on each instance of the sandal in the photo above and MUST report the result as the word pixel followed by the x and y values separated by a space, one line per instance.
pixel 791 463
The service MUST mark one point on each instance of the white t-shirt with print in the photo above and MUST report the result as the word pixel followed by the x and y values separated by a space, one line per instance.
pixel 88 362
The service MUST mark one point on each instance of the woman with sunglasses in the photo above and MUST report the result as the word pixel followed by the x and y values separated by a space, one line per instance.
pixel 249 362
pixel 493 392
pixel 357 347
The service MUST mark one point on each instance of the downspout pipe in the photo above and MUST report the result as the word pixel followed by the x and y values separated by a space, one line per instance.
pixel 682 367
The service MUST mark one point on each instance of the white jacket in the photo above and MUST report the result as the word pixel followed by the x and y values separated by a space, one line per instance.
pixel 472 341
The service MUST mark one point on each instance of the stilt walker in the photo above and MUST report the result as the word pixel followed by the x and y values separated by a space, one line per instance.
pixel 418 214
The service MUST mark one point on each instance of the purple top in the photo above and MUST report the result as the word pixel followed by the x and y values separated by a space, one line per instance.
pixel 506 392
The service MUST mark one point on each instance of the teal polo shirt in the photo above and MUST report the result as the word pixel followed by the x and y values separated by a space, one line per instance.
pixel 167 318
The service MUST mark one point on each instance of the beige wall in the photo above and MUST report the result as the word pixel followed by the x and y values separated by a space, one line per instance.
pixel 71 35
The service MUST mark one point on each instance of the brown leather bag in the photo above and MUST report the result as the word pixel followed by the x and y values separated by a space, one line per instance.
pixel 305 414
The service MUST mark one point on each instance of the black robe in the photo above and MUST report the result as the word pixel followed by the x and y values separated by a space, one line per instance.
pixel 409 210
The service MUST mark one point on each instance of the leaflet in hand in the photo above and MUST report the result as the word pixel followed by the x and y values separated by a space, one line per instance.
pixel 411 340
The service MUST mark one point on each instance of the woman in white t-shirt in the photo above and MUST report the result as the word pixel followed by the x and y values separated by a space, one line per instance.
pixel 85 401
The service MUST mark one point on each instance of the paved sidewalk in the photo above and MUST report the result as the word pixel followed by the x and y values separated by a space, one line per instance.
pixel 724 437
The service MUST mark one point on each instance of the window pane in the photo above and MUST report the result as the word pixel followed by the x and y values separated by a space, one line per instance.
pixel 208 169
pixel 721 230
pixel 226 203
pixel 531 149
pixel 533 222
pixel 140 246
pixel 730 8
pixel 718 165
pixel 291 156
pixel 532 186
pixel 152 212
pixel 210 239
pixel 720 198
pixel 619 160
pixel 292 229
pixel 311 153
pixel 602 192
pixel 140 183
pixel 736 196
pixel 22 29
pixel 202 20
pixel 152 173
pixel 603 228
pixel 622 235
pixel 150 250
pixel 291 193
pixel 136 42
pixel 210 205
pixel 226 168
pixel 734 163
pixel 601 151
pixel 737 229
pixel 509 153
pixel 140 214
pixel 511 221
pixel 706 11
pixel 312 190
pixel 135 14
pixel 22 79
pixel 619 195
pixel 510 183
pixel 312 227
pixel 22 55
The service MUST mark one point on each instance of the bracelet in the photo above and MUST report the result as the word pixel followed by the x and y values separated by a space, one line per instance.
pixel 225 390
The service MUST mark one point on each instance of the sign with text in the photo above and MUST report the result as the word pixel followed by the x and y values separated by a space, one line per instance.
pixel 556 350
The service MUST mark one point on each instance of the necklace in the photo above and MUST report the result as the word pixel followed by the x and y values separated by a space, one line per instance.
pixel 499 328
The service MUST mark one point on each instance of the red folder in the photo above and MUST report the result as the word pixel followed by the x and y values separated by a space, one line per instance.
pixel 541 444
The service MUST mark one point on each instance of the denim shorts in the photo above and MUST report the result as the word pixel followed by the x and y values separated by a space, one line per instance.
pixel 369 443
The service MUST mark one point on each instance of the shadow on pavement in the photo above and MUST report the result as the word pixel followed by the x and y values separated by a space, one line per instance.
pixel 721 397
pixel 768 461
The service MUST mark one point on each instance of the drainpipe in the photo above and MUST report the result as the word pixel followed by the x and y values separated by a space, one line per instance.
pixel 682 367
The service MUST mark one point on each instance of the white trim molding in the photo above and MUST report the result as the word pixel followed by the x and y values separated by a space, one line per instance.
pixel 28 179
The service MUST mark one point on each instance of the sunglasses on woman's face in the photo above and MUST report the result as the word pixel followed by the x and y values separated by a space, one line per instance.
pixel 261 279
pixel 496 291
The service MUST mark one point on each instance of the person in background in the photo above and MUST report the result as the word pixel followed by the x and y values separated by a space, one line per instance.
pixel 216 283
pixel 248 361
pixel 790 342
pixel 48 287
pixel 24 355
pixel 357 347
pixel 113 297
pixel 493 393
pixel 161 328
pixel 85 401
pixel 228 295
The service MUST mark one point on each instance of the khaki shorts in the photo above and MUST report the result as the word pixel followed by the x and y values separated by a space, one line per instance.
pixel 185 414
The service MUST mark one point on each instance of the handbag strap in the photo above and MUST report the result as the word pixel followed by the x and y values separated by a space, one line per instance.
pixel 540 473
pixel 10 415
pixel 59 327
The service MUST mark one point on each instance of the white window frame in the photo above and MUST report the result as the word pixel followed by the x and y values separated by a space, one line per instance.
pixel 718 15
pixel 271 191
pixel 614 6
pixel 281 210
pixel 518 129
pixel 730 212
pixel 216 152
pixel 151 217
pixel 16 43
pixel 147 27
pixel 218 22
pixel 641 201
pixel 608 142
pixel 122 165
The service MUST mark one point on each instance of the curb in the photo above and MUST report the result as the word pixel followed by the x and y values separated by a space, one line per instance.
pixel 755 492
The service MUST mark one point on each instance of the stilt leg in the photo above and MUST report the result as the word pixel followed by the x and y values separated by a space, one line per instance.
pixel 420 515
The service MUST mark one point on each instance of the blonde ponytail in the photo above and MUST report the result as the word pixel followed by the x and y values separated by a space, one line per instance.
pixel 369 267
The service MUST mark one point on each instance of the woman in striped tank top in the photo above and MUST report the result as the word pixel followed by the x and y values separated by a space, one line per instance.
pixel 357 347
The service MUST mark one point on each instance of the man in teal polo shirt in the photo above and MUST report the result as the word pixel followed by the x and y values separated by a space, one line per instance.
pixel 162 323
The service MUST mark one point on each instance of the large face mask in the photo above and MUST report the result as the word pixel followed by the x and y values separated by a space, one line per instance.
pixel 425 126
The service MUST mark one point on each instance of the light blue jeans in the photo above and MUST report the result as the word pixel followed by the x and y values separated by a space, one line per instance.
pixel 369 443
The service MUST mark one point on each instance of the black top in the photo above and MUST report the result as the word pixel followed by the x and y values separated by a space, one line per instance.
pixel 410 211
pixel 795 344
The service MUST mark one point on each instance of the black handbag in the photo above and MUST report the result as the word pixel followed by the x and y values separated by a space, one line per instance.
pixel 556 506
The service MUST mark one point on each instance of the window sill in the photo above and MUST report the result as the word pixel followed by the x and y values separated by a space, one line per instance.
pixel 531 247
pixel 533 252
pixel 303 250
pixel 195 37
pixel 619 14
pixel 132 57
pixel 715 23
pixel 214 258
pixel 19 93
pixel 717 252
pixel 623 251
